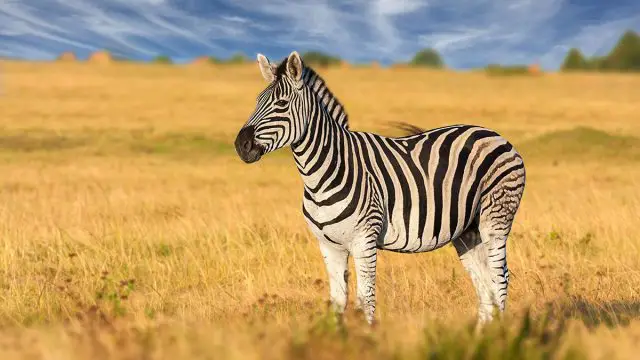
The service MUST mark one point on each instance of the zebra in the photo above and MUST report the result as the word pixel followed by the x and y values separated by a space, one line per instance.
pixel 364 193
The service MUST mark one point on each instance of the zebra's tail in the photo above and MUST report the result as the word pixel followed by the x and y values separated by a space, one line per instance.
pixel 409 129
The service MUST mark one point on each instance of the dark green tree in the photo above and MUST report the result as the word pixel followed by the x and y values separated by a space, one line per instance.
pixel 596 63
pixel 214 60
pixel 237 58
pixel 625 56
pixel 427 58
pixel 317 58
pixel 162 59
pixel 574 61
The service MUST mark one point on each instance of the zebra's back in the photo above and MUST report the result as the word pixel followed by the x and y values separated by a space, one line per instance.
pixel 432 184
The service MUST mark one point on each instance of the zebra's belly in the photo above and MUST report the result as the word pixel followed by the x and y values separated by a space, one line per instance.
pixel 398 238
pixel 332 224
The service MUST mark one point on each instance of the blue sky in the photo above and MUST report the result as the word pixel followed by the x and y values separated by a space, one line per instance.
pixel 468 33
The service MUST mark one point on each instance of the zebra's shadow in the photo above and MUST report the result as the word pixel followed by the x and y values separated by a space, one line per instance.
pixel 617 313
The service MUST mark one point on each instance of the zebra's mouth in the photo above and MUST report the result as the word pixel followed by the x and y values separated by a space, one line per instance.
pixel 252 155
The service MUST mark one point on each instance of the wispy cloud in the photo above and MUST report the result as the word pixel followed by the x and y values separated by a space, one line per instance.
pixel 383 15
pixel 499 30
pixel 467 32
pixel 132 27
pixel 310 24
pixel 526 31
pixel 397 7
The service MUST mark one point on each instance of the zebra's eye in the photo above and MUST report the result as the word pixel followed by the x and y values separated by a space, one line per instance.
pixel 281 102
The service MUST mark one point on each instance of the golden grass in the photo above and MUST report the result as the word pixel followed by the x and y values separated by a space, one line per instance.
pixel 127 172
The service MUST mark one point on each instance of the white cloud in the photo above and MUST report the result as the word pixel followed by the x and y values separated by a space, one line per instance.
pixel 457 39
pixel 92 24
pixel 396 7
pixel 305 25
pixel 237 19
pixel 152 2
pixel 382 18
pixel 355 29
pixel 18 20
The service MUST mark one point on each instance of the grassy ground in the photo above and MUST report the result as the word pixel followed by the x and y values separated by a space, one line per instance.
pixel 129 228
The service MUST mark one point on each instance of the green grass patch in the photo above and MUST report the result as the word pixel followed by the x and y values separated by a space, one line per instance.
pixel 577 144
pixel 180 143
pixel 581 144
pixel 39 143
pixel 107 142
pixel 612 314
pixel 38 140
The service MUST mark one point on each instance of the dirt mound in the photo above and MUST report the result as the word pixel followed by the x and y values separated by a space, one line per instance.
pixel 101 57
pixel 201 60
pixel 534 69
pixel 67 56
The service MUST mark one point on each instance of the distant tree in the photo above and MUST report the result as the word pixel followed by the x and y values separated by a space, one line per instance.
pixel 162 59
pixel 427 58
pixel 596 63
pixel 317 58
pixel 574 61
pixel 214 60
pixel 237 58
pixel 625 55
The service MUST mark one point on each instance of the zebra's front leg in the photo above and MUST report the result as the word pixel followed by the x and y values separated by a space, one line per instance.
pixel 364 258
pixel 335 260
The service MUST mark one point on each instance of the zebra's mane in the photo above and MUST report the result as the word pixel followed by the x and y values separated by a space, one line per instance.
pixel 408 129
pixel 319 87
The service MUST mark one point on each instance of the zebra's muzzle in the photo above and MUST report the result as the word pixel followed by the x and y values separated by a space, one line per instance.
pixel 246 147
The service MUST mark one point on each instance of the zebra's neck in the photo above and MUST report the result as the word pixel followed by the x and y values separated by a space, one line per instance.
pixel 326 139
pixel 322 148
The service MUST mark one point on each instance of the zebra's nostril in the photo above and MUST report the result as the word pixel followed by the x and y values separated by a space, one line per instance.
pixel 247 145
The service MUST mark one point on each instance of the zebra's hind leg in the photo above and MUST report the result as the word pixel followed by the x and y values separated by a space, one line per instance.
pixel 498 210
pixel 336 260
pixel 498 207
pixel 473 254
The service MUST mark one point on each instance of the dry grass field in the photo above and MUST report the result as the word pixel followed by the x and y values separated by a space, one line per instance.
pixel 129 228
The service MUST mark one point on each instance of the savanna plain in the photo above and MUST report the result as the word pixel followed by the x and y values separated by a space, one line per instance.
pixel 129 228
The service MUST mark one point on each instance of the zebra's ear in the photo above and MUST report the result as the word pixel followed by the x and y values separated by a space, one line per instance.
pixel 294 66
pixel 267 70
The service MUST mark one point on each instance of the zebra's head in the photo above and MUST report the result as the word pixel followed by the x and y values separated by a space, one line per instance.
pixel 279 117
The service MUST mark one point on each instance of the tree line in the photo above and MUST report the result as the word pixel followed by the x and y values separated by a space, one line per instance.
pixel 237 58
pixel 426 57
pixel 625 56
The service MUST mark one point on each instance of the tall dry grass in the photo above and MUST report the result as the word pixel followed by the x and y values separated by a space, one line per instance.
pixel 129 227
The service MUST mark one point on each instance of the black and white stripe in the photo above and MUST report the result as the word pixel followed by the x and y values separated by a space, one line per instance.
pixel 365 192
